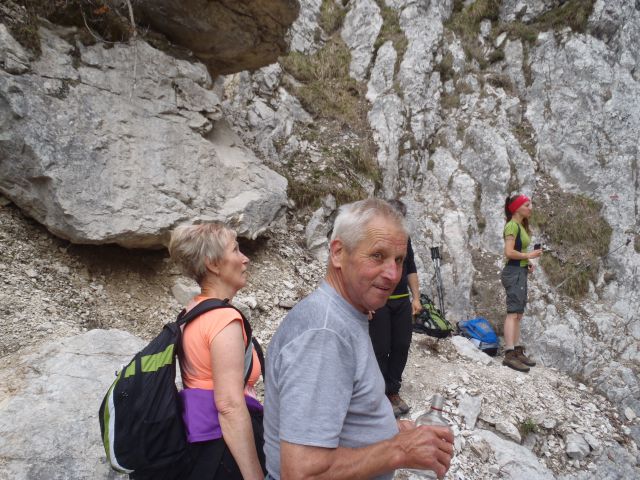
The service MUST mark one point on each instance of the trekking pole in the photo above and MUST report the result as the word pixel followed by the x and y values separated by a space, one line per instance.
pixel 435 256
pixel 591 264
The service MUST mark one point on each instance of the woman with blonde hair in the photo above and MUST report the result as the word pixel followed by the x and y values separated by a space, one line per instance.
pixel 222 416
pixel 516 235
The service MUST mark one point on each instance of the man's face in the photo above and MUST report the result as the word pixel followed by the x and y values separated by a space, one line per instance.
pixel 371 271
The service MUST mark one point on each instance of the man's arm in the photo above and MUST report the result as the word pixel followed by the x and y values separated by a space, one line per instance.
pixel 425 447
pixel 414 288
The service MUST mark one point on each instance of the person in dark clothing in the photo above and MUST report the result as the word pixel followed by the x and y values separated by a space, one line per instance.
pixel 391 326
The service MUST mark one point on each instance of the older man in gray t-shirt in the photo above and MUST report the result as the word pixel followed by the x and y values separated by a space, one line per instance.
pixel 326 413
pixel 326 381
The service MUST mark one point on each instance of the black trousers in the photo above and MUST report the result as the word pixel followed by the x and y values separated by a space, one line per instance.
pixel 390 331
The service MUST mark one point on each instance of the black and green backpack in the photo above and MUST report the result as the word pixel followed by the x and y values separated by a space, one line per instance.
pixel 430 320
pixel 141 414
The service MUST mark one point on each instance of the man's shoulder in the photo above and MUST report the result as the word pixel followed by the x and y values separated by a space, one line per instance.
pixel 314 312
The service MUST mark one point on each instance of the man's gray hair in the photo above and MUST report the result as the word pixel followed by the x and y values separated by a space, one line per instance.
pixel 351 222
pixel 192 246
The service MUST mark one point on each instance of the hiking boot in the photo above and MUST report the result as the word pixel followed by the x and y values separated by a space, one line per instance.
pixel 398 404
pixel 522 357
pixel 511 360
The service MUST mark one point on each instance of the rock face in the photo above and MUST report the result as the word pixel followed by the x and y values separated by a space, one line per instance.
pixel 119 145
pixel 228 36
pixel 54 394
pixel 361 27
pixel 455 135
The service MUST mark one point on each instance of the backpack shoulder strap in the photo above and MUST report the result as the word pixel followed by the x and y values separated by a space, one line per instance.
pixel 206 305
pixel 214 303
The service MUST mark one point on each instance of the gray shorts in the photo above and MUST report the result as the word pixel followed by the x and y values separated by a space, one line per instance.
pixel 514 281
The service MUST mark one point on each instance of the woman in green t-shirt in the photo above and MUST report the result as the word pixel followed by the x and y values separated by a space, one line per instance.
pixel 514 277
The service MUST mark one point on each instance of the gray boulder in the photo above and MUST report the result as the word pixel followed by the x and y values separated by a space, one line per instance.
pixel 49 400
pixel 361 27
pixel 119 145
pixel 515 462
pixel 303 30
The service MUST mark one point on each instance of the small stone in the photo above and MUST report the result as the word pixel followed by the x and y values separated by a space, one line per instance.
pixel 481 448
pixel 593 442
pixel 629 413
pixel 577 447
pixel 509 430
pixel 288 304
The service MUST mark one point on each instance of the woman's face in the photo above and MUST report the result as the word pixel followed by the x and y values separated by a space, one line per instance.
pixel 233 266
pixel 525 209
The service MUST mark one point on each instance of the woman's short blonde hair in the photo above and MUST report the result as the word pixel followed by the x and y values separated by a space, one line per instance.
pixel 192 246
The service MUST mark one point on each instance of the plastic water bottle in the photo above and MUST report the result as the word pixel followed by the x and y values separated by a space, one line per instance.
pixel 432 417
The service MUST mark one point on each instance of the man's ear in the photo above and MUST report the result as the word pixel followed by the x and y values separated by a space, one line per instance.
pixel 212 267
pixel 336 253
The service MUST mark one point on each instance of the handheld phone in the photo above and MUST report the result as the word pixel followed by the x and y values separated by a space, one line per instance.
pixel 537 246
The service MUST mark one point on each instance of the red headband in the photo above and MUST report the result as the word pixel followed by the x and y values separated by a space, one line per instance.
pixel 518 202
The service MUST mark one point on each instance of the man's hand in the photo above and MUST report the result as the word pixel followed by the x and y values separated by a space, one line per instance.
pixel 426 448
pixel 405 425
pixel 416 306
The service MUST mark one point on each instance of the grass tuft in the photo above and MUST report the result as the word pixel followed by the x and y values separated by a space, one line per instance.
pixel 391 31
pixel 578 236
pixel 331 16
pixel 527 427
pixel 337 102
pixel 327 90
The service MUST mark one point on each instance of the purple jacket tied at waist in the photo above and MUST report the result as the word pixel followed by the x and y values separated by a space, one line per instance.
pixel 200 414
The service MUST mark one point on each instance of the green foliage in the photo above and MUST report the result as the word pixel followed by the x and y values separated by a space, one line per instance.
pixel 331 16
pixel 500 80
pixel 310 192
pixel 391 31
pixel 363 158
pixel 451 101
pixel 445 67
pixel 519 30
pixel 496 56
pixel 465 21
pixel 527 427
pixel 525 135
pixel 327 90
pixel 337 102
pixel 572 13
pixel 578 236
pixel 477 204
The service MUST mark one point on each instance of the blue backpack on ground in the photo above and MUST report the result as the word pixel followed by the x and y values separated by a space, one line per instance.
pixel 480 332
